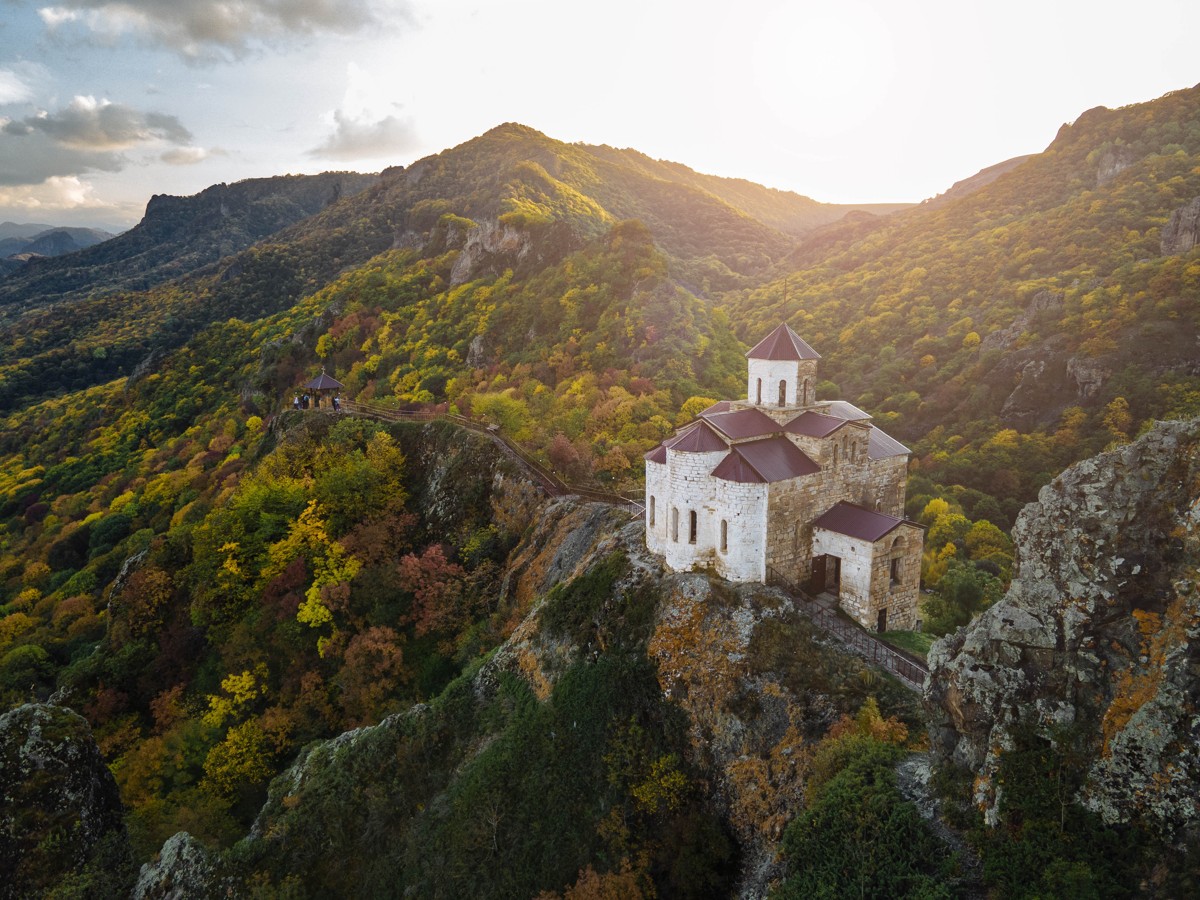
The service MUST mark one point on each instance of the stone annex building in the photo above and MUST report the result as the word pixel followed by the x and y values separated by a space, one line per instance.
pixel 781 486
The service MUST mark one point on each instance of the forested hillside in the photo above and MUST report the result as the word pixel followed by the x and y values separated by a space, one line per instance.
pixel 213 582
pixel 1026 325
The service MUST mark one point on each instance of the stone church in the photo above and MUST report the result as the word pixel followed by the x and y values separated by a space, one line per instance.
pixel 783 487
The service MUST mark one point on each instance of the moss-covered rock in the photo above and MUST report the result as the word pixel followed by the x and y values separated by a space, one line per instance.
pixel 60 813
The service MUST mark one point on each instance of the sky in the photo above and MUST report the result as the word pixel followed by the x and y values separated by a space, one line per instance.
pixel 104 103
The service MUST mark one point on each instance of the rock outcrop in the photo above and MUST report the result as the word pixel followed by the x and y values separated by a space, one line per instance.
pixel 1182 231
pixel 183 869
pixel 1113 161
pixel 60 812
pixel 1099 633
pixel 491 243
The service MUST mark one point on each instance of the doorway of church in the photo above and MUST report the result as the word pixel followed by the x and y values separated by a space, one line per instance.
pixel 826 575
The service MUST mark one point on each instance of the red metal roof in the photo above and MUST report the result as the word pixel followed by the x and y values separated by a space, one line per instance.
pixel 734 467
pixel 782 343
pixel 814 424
pixel 881 446
pixel 658 454
pixel 768 460
pixel 857 522
pixel 699 438
pixel 719 407
pixel 742 423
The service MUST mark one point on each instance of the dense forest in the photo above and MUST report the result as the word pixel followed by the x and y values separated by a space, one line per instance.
pixel 216 583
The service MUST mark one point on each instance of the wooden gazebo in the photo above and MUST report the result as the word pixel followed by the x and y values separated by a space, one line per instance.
pixel 323 385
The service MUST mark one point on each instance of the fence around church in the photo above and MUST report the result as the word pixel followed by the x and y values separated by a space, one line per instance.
pixel 909 670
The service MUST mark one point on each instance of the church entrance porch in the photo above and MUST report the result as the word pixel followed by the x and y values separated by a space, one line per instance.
pixel 826 575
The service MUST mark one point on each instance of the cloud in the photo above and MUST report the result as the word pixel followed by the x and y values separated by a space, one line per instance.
pixel 186 156
pixel 13 88
pixel 355 138
pixel 210 30
pixel 57 193
pixel 368 125
pixel 87 135
pixel 91 124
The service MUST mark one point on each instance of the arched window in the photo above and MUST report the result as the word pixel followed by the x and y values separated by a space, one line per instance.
pixel 691 526
pixel 651 510
pixel 783 393
pixel 835 455
pixel 853 451
pixel 805 397
pixel 759 400
pixel 724 536
pixel 675 525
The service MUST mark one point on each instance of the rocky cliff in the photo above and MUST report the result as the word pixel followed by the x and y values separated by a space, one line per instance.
pixel 1098 636
pixel 60 813
pixel 1182 231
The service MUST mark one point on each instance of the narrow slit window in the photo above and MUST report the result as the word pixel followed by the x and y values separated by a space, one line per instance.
pixel 691 526
pixel 651 510
pixel 783 393
pixel 724 536
pixel 759 400
pixel 675 525
pixel 896 570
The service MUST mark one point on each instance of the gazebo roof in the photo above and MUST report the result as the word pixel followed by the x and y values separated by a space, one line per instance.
pixel 324 382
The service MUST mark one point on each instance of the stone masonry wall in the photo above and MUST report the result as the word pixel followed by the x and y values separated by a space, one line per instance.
pixel 743 507
pixel 691 488
pixel 866 577
pixel 772 372
pixel 898 597
pixel 796 503
pixel 657 507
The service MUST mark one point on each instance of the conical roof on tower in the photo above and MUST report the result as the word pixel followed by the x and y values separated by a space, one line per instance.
pixel 783 343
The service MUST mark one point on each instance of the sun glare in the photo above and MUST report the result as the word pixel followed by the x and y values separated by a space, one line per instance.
pixel 823 70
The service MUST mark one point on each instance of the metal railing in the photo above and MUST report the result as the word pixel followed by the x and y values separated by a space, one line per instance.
pixel 548 480
pixel 909 670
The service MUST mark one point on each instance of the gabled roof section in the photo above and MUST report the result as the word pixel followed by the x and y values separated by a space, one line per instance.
pixel 856 522
pixel 699 438
pixel 814 424
pixel 734 467
pixel 765 461
pixel 742 423
pixel 882 446
pixel 657 455
pixel 719 407
pixel 782 343
pixel 844 410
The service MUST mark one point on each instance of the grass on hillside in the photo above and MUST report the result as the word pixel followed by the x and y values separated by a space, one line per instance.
pixel 915 642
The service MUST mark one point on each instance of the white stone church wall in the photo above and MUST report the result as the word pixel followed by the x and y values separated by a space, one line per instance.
pixel 772 371
pixel 856 564
pixel 690 488
pixel 743 508
pixel 656 503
